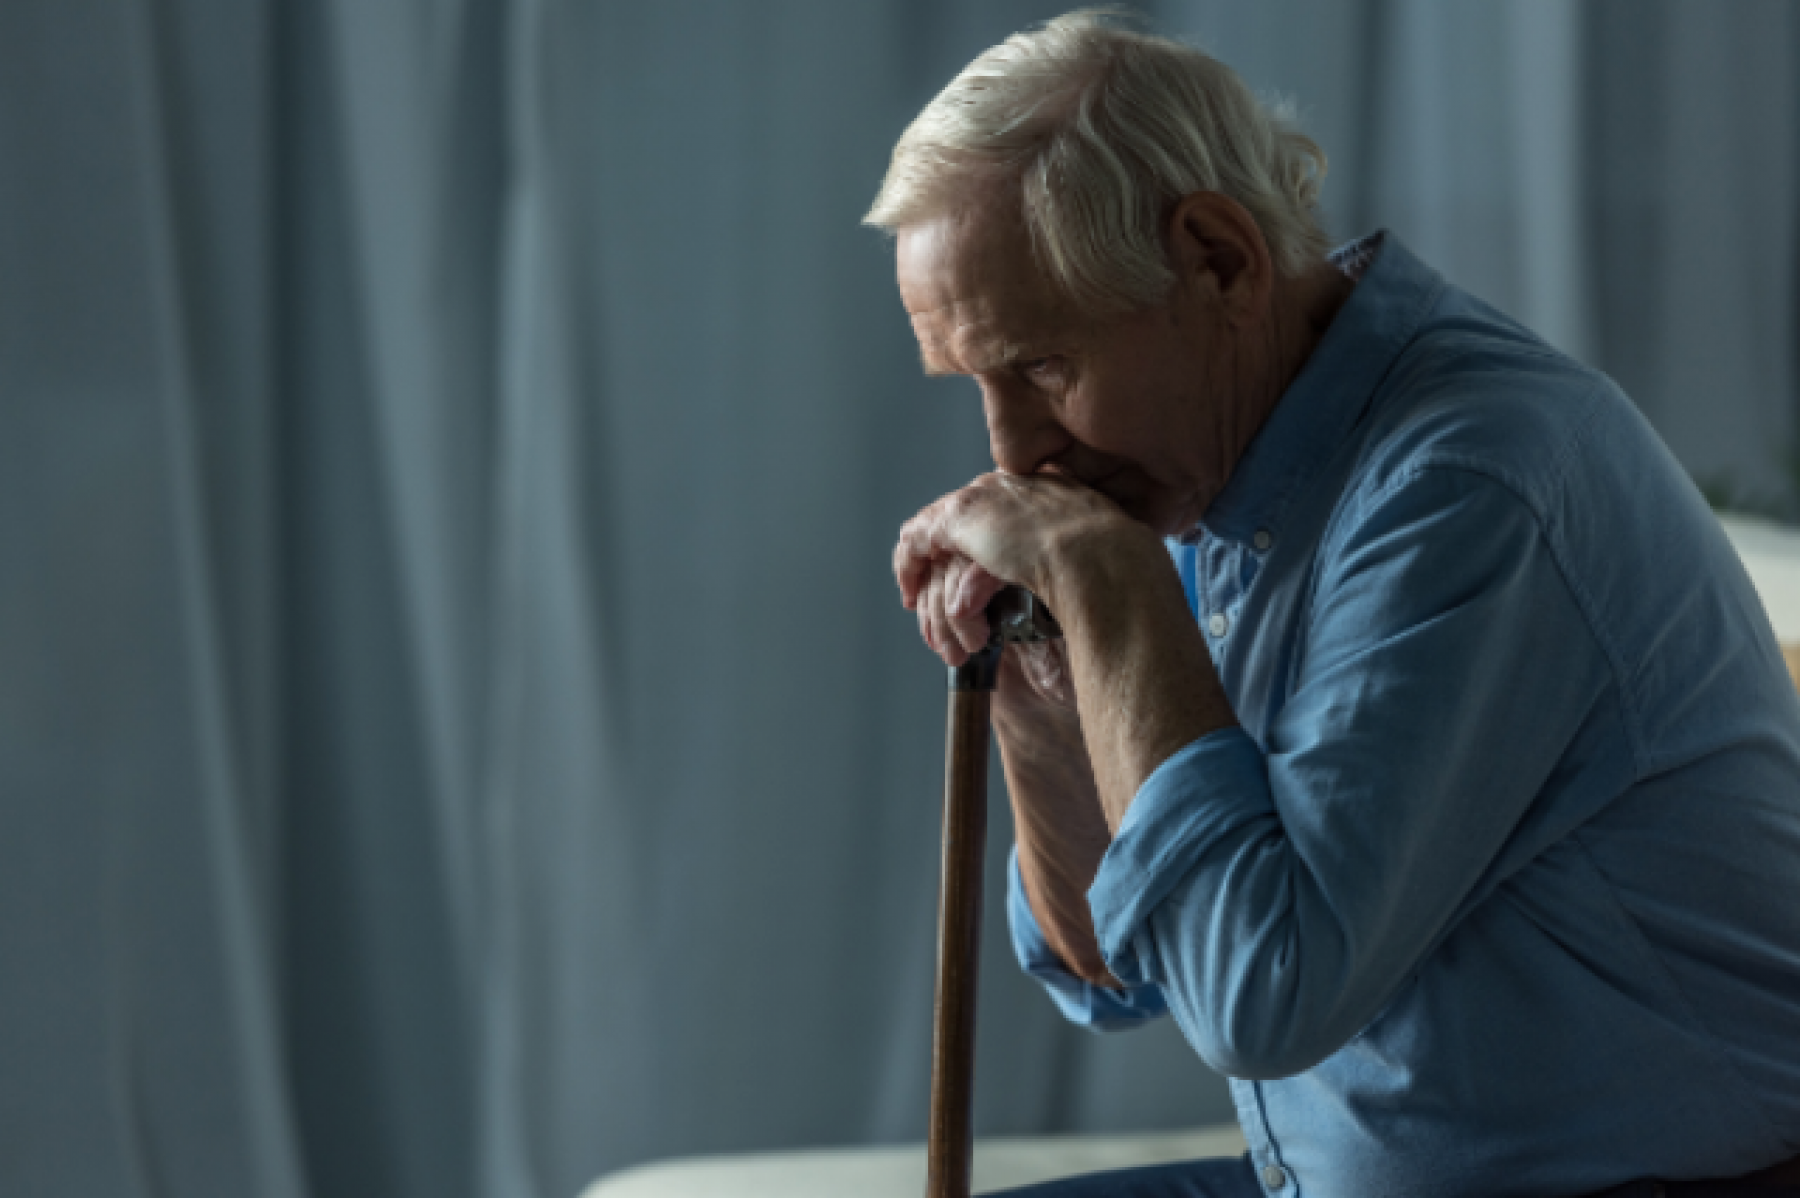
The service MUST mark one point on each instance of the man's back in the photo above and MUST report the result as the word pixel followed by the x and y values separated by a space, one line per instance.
pixel 1559 877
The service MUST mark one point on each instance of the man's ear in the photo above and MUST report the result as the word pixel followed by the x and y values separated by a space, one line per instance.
pixel 1218 253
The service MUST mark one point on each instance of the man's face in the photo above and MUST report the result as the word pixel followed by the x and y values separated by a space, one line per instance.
pixel 1131 405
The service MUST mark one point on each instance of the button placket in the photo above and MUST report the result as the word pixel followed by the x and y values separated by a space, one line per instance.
pixel 1247 1097
pixel 1223 587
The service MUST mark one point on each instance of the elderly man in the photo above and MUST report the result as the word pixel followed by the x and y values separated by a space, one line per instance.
pixel 1420 744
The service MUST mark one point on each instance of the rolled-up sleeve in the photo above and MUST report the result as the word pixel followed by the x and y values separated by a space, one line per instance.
pixel 1279 895
pixel 1081 1002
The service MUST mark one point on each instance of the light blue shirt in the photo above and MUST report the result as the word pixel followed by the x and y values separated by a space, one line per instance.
pixel 1497 889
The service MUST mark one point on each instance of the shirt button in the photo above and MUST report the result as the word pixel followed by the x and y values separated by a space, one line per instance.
pixel 1274 1176
pixel 1262 540
pixel 1218 624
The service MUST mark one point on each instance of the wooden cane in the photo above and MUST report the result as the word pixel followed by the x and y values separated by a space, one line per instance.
pixel 1014 615
pixel 952 1144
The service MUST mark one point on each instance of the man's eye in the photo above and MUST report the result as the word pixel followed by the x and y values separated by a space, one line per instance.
pixel 1040 369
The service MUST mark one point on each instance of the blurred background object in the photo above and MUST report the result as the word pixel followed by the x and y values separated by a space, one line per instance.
pixel 457 733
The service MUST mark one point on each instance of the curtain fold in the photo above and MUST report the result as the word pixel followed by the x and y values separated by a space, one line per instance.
pixel 457 735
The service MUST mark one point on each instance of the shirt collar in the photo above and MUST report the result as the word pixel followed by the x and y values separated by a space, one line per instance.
pixel 1332 391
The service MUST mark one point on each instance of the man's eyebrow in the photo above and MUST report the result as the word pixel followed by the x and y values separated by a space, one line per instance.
pixel 1006 357
pixel 1009 355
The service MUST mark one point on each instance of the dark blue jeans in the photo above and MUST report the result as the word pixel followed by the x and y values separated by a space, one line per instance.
pixel 1230 1177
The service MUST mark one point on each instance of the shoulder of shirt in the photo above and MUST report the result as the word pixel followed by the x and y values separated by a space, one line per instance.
pixel 1475 392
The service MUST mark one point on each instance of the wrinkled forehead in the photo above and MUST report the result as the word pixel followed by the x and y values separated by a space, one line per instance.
pixel 971 283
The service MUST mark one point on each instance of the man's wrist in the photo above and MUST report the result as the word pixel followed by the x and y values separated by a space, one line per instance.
pixel 1094 554
pixel 1067 927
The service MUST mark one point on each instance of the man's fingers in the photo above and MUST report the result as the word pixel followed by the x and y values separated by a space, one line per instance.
pixel 968 622
pixel 942 637
pixel 950 598
pixel 971 590
pixel 975 589
pixel 916 554
pixel 930 620
pixel 991 520
pixel 910 572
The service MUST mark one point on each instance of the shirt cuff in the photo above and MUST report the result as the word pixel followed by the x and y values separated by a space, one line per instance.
pixel 1198 795
pixel 1080 1002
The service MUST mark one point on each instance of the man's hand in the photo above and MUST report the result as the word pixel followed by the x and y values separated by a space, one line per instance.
pixel 955 556
pixel 1132 659
pixel 1145 685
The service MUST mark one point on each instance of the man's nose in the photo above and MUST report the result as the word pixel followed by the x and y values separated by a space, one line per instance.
pixel 1023 433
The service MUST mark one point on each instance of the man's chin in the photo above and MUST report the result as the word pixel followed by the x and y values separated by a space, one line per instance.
pixel 1133 501
pixel 1167 512
pixel 1167 515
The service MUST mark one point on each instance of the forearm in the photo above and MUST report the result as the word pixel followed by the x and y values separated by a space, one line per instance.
pixel 1144 682
pixel 1145 688
pixel 1060 829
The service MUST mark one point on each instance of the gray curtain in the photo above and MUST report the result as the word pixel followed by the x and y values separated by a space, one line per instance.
pixel 457 735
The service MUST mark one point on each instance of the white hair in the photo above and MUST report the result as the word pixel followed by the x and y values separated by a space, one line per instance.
pixel 1104 130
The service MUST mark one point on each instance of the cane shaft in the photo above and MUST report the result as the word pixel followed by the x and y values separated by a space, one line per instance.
pixel 959 946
